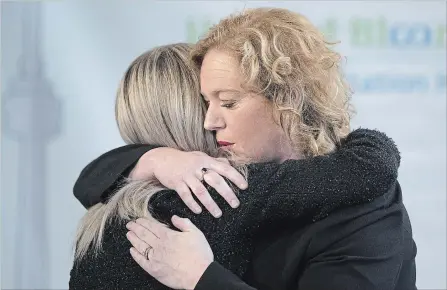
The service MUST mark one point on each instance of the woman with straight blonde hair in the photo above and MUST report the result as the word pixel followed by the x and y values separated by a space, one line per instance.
pixel 159 103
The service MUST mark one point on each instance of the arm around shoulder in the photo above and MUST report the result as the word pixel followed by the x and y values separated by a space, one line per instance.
pixel 102 175
pixel 364 167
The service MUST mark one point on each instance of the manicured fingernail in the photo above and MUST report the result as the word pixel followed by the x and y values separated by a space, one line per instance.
pixel 244 186
pixel 234 203
pixel 197 209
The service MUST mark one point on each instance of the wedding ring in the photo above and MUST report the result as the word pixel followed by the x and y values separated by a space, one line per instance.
pixel 146 252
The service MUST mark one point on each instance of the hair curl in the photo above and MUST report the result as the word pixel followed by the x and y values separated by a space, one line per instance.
pixel 284 57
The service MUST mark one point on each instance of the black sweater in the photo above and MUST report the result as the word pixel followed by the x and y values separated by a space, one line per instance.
pixel 288 196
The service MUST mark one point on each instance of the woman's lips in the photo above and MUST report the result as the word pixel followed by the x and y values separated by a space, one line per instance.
pixel 224 143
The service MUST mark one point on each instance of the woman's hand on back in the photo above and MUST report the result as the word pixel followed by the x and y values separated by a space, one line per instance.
pixel 182 172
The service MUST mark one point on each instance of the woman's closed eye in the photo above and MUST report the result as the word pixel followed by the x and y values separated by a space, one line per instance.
pixel 228 105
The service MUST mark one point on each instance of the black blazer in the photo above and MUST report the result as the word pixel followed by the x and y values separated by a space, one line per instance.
pixel 278 238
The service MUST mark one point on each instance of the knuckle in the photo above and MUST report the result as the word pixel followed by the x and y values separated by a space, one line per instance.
pixel 200 191
pixel 211 178
pixel 227 192
pixel 191 204
pixel 218 182
pixel 183 194
pixel 227 170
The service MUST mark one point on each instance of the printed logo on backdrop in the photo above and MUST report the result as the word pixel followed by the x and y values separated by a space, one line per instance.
pixel 380 35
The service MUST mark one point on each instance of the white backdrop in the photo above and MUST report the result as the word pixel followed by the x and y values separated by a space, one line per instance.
pixel 61 64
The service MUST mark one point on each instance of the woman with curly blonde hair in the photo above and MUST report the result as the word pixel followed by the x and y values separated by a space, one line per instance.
pixel 274 93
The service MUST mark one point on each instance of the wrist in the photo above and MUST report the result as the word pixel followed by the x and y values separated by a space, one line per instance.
pixel 198 273
pixel 144 167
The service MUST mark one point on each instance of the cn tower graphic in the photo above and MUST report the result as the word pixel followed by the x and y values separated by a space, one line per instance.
pixel 31 116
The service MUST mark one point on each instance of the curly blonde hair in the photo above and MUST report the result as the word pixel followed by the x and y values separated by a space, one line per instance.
pixel 284 57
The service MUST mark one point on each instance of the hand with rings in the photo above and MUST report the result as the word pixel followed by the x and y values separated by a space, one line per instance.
pixel 147 252
pixel 191 172
pixel 176 259
pixel 204 171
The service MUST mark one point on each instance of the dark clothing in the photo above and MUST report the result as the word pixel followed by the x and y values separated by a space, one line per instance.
pixel 103 175
pixel 365 247
pixel 272 239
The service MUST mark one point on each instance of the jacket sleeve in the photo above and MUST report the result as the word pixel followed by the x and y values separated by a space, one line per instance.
pixel 104 174
pixel 363 168
pixel 368 250
pixel 358 248
pixel 218 278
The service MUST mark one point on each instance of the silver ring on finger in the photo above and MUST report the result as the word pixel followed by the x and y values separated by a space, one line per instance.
pixel 203 171
pixel 146 252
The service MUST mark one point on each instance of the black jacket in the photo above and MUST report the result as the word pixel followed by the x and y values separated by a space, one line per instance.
pixel 272 239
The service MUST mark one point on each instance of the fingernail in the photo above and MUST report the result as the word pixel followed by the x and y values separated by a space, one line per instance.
pixel 197 209
pixel 244 186
pixel 217 213
pixel 234 203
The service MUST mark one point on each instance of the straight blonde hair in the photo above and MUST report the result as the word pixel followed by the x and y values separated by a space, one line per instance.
pixel 158 103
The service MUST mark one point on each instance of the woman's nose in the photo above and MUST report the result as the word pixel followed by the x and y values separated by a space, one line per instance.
pixel 213 120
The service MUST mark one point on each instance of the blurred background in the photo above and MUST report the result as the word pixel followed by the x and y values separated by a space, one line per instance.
pixel 61 62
